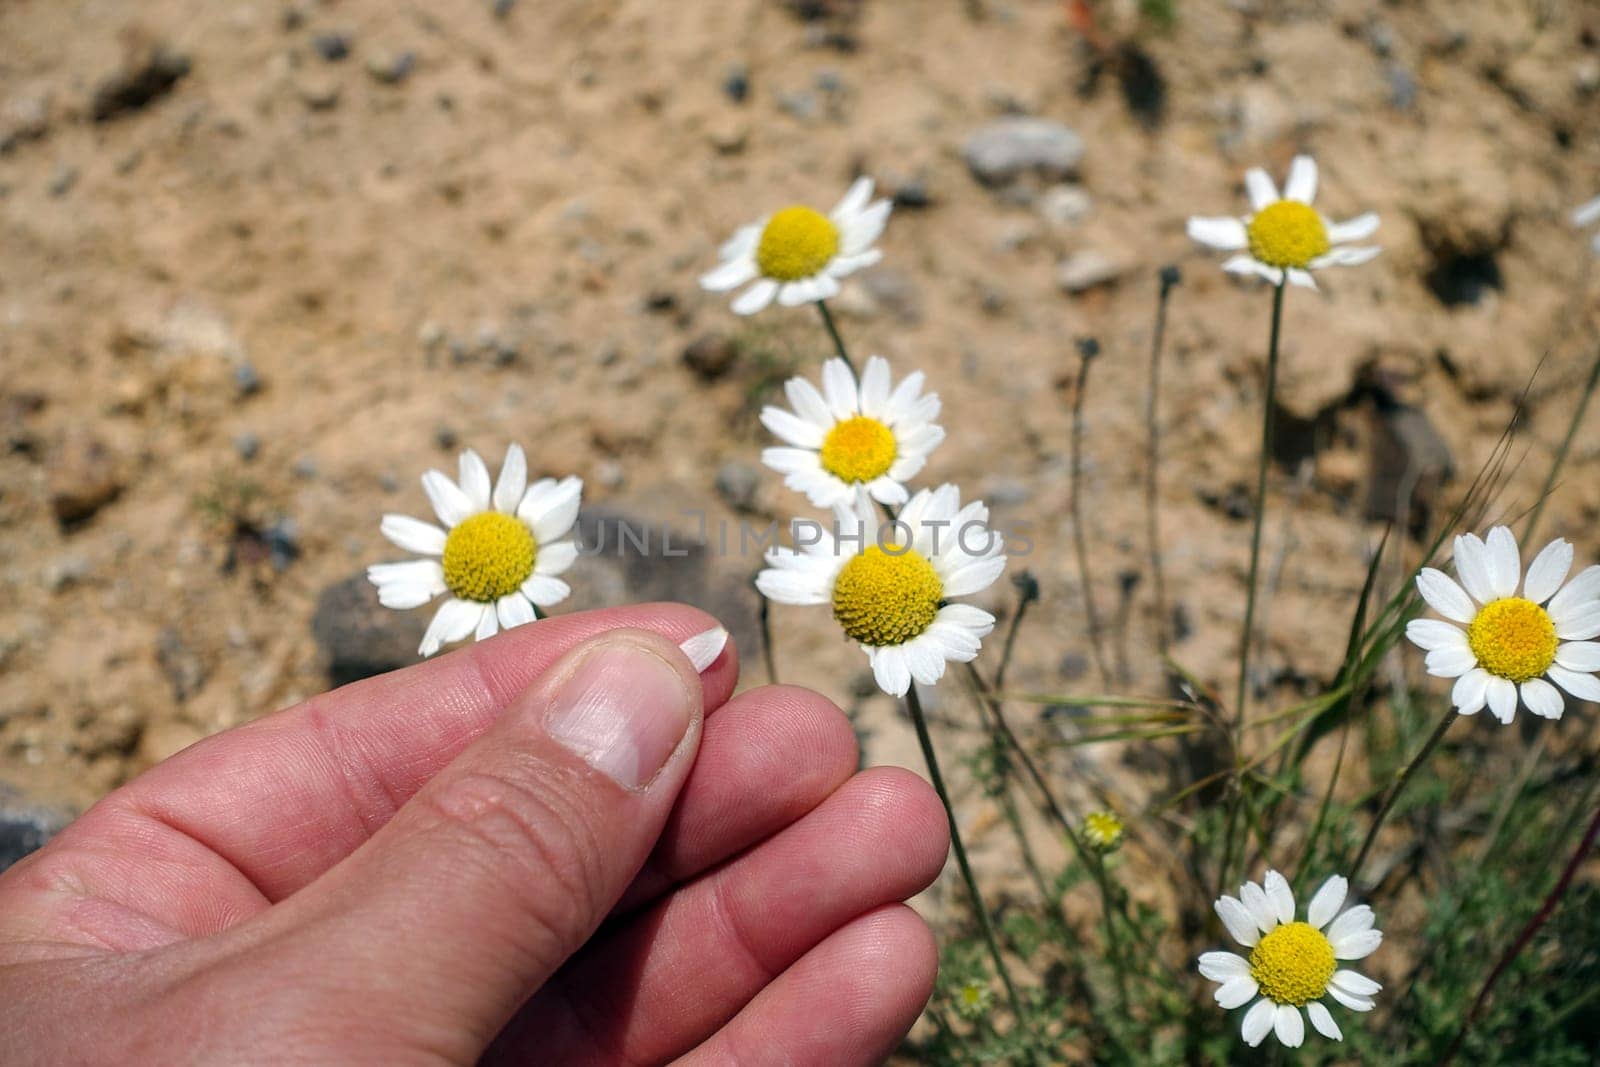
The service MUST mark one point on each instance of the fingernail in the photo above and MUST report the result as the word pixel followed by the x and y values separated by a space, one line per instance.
pixel 704 648
pixel 623 710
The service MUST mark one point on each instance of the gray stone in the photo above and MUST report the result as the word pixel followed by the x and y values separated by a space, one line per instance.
pixel 185 670
pixel 148 72
pixel 736 83
pixel 83 475
pixel 332 46
pixel 1087 269
pixel 711 355
pixel 247 445
pixel 391 68
pixel 1065 204
pixel 245 380
pixel 25 826
pixel 738 484
pixel 1006 149
pixel 358 637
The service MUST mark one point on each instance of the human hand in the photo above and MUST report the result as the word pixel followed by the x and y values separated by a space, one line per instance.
pixel 471 858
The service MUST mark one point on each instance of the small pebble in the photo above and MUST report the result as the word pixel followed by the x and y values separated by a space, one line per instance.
pixel 736 83
pixel 245 380
pixel 332 47
pixel 247 445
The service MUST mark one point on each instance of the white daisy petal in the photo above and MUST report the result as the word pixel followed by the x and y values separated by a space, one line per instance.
pixel 1322 1020
pixel 874 387
pixel 704 649
pixel 424 572
pixel 1260 187
pixel 454 620
pixel 1548 570
pixel 1221 966
pixel 857 235
pixel 1505 561
pixel 1302 182
pixel 514 610
pixel 1302 278
pixel 839 387
pixel 413 535
pixel 403 596
pixel 488 623
pixel 1327 901
pixel 1236 992
pixel 973 577
pixel 1350 1000
pixel 545 591
pixel 1542 698
pixel 1224 233
pixel 513 480
pixel 1445 596
pixel 1357 946
pixel 854 199
pixel 925 657
pixel 790 587
pixel 730 275
pixel 1578 624
pixel 1450 662
pixel 1244 263
pixel 1432 634
pixel 1280 896
pixel 1357 229
pixel 1582 686
pixel 554 559
pixel 1584 214
pixel 842 266
pixel 1354 921
pixel 1237 918
pixel 449 502
pixel 891 669
pixel 475 480
pixel 1290 1027
pixel 1579 655
pixel 808 403
pixel 1471 691
pixel 1258 1022
pixel 1576 594
pixel 1355 983
pixel 792 428
pixel 1346 256
pixel 1472 567
pixel 1255 898
pixel 793 294
pixel 755 298
pixel 1502 694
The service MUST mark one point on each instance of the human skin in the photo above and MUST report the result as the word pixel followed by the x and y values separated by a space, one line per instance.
pixel 468 860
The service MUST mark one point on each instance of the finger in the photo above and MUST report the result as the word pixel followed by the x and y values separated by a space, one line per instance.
pixel 245 818
pixel 849 1001
pixel 503 864
pixel 769 756
pixel 665 981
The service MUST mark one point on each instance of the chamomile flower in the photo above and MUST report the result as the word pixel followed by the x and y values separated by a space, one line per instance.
pixel 1586 215
pixel 853 435
pixel 497 555
pixel 1102 830
pixel 798 254
pixel 1507 645
pixel 1285 234
pixel 890 585
pixel 1292 964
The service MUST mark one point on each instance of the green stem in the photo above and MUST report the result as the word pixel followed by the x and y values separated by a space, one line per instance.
pixel 1079 538
pixel 1261 506
pixel 1153 457
pixel 1399 786
pixel 925 740
pixel 838 342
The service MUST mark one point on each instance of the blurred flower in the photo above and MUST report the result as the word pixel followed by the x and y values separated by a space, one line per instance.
pixel 799 254
pixel 498 553
pixel 1285 233
pixel 1292 965
pixel 853 435
pixel 889 587
pixel 973 1000
pixel 1511 644
pixel 1103 830
pixel 1586 215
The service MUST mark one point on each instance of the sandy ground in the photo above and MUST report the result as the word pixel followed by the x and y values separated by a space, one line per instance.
pixel 251 287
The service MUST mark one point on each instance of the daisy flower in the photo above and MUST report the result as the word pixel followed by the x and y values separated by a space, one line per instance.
pixel 798 254
pixel 1586 214
pixel 1103 830
pixel 497 555
pixel 1292 965
pixel 890 586
pixel 852 435
pixel 1285 234
pixel 1511 644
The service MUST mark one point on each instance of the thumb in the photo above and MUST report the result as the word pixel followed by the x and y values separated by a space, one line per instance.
pixel 506 862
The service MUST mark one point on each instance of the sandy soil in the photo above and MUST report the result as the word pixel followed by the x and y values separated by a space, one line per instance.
pixel 249 292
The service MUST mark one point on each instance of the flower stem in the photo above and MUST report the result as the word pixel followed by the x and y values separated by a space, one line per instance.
pixel 1526 934
pixel 838 342
pixel 1399 786
pixel 920 721
pixel 1088 349
pixel 1152 462
pixel 1260 508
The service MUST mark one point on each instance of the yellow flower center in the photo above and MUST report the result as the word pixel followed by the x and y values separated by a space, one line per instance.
pixel 1103 829
pixel 1292 964
pixel 1288 234
pixel 858 450
pixel 1513 638
pixel 488 556
pixel 796 243
pixel 886 599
